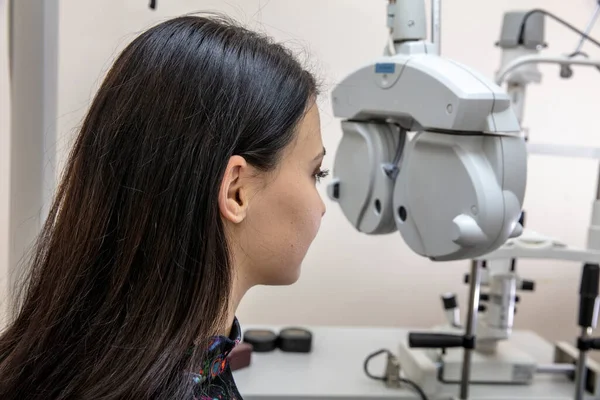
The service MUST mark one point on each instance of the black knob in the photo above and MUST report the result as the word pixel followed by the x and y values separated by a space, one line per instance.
pixel 566 71
pixel 262 340
pixel 595 343
pixel 588 293
pixel 434 340
pixel 482 308
pixel 589 280
pixel 449 301
pixel 527 285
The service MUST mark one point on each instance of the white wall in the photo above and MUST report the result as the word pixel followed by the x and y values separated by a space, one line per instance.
pixel 27 172
pixel 362 280
pixel 4 157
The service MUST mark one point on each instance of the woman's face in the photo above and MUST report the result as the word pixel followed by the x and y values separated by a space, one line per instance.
pixel 279 212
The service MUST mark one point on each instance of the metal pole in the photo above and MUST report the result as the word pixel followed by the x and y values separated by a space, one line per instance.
pixel 588 29
pixel 588 316
pixel 471 326
pixel 537 59
pixel 580 372
pixel 555 369
pixel 436 25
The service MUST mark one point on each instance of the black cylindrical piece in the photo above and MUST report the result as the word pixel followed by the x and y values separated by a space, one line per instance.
pixel 528 285
pixel 584 344
pixel 469 342
pixel 589 280
pixel 587 310
pixel 262 340
pixel 449 301
pixel 588 294
pixel 434 340
pixel 484 297
pixel 482 308
pixel 295 340
pixel 595 343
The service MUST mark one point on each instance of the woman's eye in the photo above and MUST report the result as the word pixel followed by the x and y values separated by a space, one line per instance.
pixel 322 173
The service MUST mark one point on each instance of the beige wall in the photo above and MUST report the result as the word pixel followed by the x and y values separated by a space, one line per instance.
pixel 362 280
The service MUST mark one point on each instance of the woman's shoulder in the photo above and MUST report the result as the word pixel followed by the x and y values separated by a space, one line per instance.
pixel 215 380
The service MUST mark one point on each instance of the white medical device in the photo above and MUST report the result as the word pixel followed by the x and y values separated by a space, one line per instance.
pixel 435 150
pixel 430 148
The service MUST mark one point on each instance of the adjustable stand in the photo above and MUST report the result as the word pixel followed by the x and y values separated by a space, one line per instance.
pixel 588 315
pixel 466 341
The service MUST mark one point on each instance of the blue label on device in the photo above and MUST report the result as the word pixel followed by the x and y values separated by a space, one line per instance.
pixel 385 68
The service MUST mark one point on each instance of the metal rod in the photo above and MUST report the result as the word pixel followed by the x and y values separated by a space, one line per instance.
pixel 555 369
pixel 518 62
pixel 588 29
pixel 516 91
pixel 580 372
pixel 436 25
pixel 471 324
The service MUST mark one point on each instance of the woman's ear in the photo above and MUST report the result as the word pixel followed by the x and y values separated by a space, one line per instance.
pixel 233 195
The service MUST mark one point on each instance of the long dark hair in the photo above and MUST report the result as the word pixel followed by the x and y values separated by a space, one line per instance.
pixel 132 265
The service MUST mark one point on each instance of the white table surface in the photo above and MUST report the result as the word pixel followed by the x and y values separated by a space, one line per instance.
pixel 334 370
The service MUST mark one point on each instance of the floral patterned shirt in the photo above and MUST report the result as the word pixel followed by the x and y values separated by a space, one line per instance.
pixel 215 381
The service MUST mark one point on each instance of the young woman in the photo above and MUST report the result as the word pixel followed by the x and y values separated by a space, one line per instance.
pixel 192 179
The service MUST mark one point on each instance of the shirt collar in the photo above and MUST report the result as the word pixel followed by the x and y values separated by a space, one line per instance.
pixel 219 347
pixel 222 345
